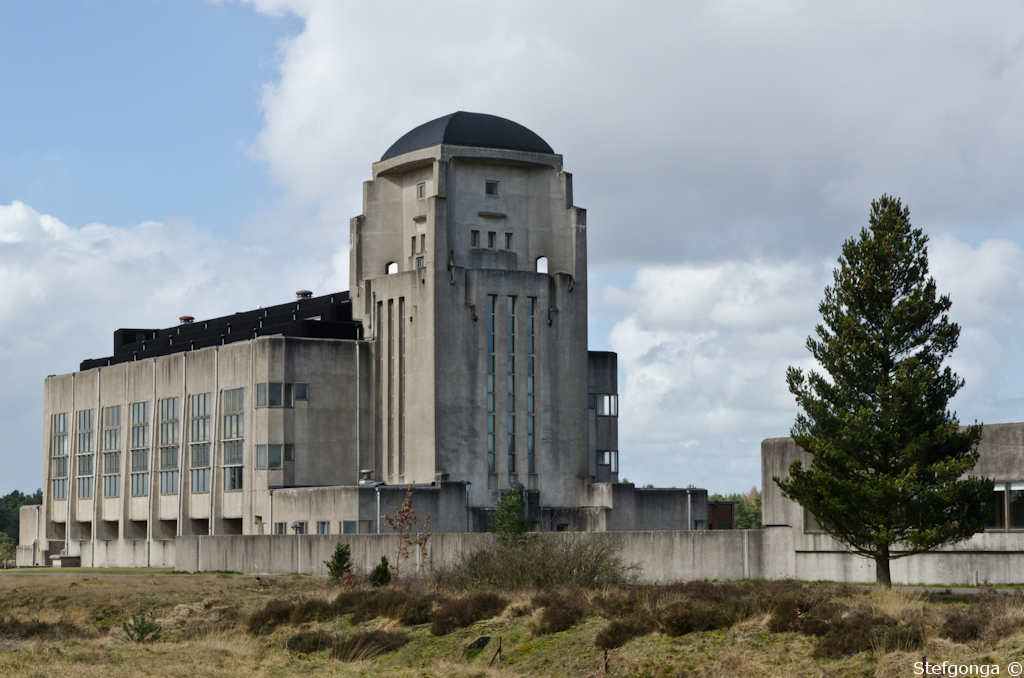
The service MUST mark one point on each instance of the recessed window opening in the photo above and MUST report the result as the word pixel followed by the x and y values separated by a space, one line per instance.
pixel 419 262
pixel 412 247
pixel 490 239
pixel 423 242
pixel 474 239
pixel 607 405
pixel 542 264
pixel 491 189
pixel 391 268
pixel 323 527
pixel 508 241
pixel 421 191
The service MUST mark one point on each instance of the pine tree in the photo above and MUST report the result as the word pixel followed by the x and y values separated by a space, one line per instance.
pixel 507 520
pixel 887 478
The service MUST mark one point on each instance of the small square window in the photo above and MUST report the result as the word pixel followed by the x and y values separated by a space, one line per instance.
pixel 323 527
pixel 301 391
pixel 474 239
pixel 508 241
pixel 492 188
pixel 421 191
pixel 491 238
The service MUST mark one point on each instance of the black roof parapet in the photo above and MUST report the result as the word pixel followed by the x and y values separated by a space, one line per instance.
pixel 325 317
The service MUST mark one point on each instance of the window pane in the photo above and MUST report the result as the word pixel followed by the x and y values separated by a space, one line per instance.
pixel 274 456
pixel 274 395
pixel 261 395
pixel 997 519
pixel 1016 506
pixel 289 395
pixel 301 391
pixel 349 527
pixel 289 453
pixel 261 456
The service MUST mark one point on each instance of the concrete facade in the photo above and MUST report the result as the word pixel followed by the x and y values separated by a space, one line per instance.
pixel 456 365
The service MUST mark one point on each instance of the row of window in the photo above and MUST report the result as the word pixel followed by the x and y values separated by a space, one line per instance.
pixel 608 458
pixel 280 394
pixel 492 240
pixel 491 189
pixel 1008 498
pixel 512 450
pixel 324 527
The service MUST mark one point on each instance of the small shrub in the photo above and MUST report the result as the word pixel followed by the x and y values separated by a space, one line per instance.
pixel 367 645
pixel 620 631
pixel 142 630
pixel 863 629
pixel 275 613
pixel 308 642
pixel 417 610
pixel 587 560
pixel 381 575
pixel 1001 627
pixel 311 609
pixel 787 612
pixel 560 612
pixel 340 563
pixel 964 625
pixel 457 613
pixel 678 619
pixel 11 626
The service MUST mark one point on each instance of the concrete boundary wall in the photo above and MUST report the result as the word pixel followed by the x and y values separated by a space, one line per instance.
pixel 663 556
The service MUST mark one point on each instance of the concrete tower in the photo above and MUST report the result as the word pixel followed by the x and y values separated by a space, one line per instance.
pixel 468 270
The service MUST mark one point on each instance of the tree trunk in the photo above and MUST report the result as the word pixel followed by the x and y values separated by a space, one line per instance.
pixel 882 578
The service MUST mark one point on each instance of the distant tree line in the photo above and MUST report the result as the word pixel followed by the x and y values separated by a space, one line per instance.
pixel 9 506
pixel 747 511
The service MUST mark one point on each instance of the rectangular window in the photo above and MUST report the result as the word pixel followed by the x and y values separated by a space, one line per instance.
pixel 201 467
pixel 280 394
pixel 140 450
pixel 474 238
pixel 59 451
pixel 421 191
pixel 490 239
pixel 279 528
pixel 608 458
pixel 167 456
pixel 302 391
pixel 84 468
pixel 140 484
pixel 508 241
pixel 300 527
pixel 412 247
pixel 169 482
pixel 423 243
pixel 111 474
pixel 261 395
pixel 261 456
pixel 234 403
pixel 419 262
pixel 233 478
pixel 200 417
pixel 531 458
pixel 491 188
pixel 997 520
pixel 510 321
pixel 349 527
pixel 1016 500
pixel 490 383
pixel 607 405
pixel 323 527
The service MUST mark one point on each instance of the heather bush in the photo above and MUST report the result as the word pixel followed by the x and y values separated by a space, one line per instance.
pixel 363 645
pixel 308 642
pixel 589 560
pixel 560 612
pixel 963 625
pixel 618 632
pixel 457 613
pixel 272 615
pixel 684 617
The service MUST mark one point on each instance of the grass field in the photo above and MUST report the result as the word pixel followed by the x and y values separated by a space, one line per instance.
pixel 224 625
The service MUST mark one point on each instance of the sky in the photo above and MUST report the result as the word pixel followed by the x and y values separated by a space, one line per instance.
pixel 161 158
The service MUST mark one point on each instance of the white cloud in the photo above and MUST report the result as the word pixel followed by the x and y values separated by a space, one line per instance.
pixel 66 290
pixel 703 351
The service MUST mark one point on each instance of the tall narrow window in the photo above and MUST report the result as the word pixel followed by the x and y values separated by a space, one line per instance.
pixel 412 249
pixel 401 389
pixel 378 377
pixel 510 307
pixel 234 437
pixel 85 454
pixel 139 450
pixel 112 451
pixel 490 239
pixel 169 467
pixel 391 387
pixel 531 446
pixel 59 452
pixel 508 241
pixel 490 384
pixel 200 411
pixel 423 243
pixel 474 239
pixel 421 191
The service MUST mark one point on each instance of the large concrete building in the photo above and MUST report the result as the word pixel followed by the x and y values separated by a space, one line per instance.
pixel 457 363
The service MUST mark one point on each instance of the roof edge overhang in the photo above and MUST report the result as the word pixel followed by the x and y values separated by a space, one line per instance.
pixel 424 157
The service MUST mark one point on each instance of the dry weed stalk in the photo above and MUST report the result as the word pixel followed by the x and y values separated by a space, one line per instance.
pixel 402 524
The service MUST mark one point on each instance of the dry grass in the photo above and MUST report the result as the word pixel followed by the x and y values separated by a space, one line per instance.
pixel 204 621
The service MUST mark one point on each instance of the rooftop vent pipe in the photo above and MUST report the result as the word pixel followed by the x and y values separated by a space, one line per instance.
pixel 185 320
pixel 303 294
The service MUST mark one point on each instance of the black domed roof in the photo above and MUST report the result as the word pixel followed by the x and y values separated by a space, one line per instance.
pixel 470 129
